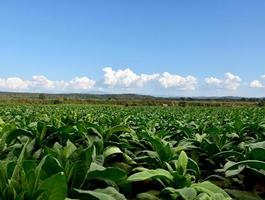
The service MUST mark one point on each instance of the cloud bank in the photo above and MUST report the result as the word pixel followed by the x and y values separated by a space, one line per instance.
pixel 122 79
pixel 40 82
pixel 229 82
pixel 127 78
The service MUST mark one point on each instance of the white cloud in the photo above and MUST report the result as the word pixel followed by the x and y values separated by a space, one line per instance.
pixel 14 83
pixel 126 78
pixel 214 81
pixel 144 78
pixel 77 83
pixel 168 80
pixel 230 81
pixel 81 83
pixel 256 84
pixel 40 82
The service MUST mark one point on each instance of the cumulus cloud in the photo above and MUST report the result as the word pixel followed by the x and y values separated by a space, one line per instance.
pixel 230 81
pixel 41 82
pixel 126 78
pixel 214 81
pixel 168 80
pixel 13 83
pixel 81 83
pixel 256 84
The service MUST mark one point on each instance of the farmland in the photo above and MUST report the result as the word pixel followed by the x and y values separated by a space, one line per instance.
pixel 56 152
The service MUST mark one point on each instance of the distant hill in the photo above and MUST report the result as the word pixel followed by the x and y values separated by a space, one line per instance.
pixel 118 97
pixel 76 96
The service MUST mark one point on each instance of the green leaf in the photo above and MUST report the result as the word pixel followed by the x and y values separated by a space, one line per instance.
pixel 69 149
pixel 199 137
pixel 257 145
pixel 111 150
pixel 203 196
pixel 54 187
pixel 187 193
pixel 15 133
pixel 193 166
pixel 147 174
pixel 227 154
pixel 259 166
pixel 209 188
pixel 149 195
pixel 182 162
pixel 119 128
pixel 234 172
pixel 110 173
pixel 243 195
pixel 15 175
pixel 108 193
pixel 258 154
pixel 45 166
pixel 1 122
pixel 106 174
pixel 82 165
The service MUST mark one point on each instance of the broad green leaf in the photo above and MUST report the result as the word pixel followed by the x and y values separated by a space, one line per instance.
pixel 204 196
pixel 54 187
pixel 193 166
pixel 45 166
pixel 108 193
pixel 119 128
pixel 182 162
pixel 15 133
pixel 257 145
pixel 227 154
pixel 114 174
pixel 149 195
pixel 258 154
pixel 187 193
pixel 69 149
pixel 199 137
pixel 1 122
pixel 259 166
pixel 111 150
pixel 209 188
pixel 244 195
pixel 106 174
pixel 234 172
pixel 148 174
pixel 15 175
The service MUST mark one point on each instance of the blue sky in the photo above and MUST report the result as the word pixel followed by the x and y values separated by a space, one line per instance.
pixel 172 48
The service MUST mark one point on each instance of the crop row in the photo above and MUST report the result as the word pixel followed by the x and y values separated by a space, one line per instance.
pixel 117 153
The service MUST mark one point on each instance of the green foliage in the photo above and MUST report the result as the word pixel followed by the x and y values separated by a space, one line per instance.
pixel 147 153
pixel 109 193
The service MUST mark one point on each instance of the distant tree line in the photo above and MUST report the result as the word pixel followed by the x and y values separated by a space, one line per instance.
pixel 126 100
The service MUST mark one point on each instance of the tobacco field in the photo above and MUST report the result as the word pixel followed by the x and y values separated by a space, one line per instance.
pixel 57 152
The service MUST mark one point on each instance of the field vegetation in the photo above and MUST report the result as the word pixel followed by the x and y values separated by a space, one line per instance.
pixel 127 100
pixel 57 152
